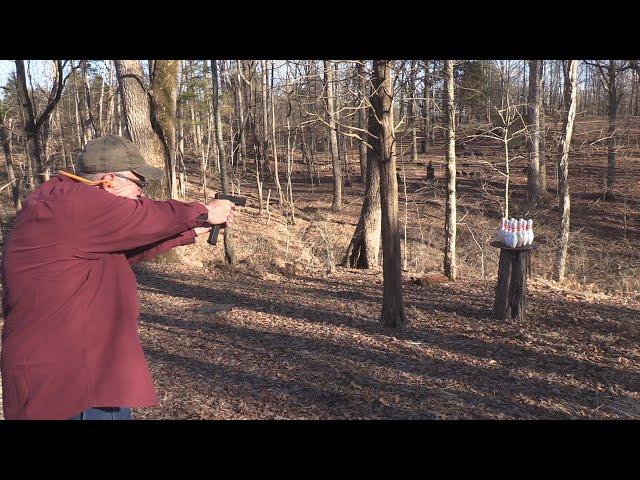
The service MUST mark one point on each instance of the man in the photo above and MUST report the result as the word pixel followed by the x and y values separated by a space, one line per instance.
pixel 70 344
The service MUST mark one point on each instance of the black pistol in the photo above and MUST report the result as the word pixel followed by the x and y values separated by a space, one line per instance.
pixel 239 201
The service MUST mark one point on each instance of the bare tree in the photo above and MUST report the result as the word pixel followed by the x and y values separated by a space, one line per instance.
pixel 276 174
pixel 34 123
pixel 393 312
pixel 542 182
pixel 229 251
pixel 242 118
pixel 511 127
pixel 77 107
pixel 136 105
pixel 364 248
pixel 609 77
pixel 450 207
pixel 362 94
pixel 89 128
pixel 15 182
pixel 333 138
pixel 180 172
pixel 425 107
pixel 570 84
pixel 535 102
pixel 248 75
pixel 265 120
pixel 412 108
pixel 164 85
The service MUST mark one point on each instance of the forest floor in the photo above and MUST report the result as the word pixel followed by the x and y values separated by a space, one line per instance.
pixel 300 338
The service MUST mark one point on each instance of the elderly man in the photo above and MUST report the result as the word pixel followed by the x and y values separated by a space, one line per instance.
pixel 70 344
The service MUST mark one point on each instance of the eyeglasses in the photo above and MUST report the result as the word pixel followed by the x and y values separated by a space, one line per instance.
pixel 139 182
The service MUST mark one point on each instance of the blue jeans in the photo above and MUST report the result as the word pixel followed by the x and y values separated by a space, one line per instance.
pixel 104 413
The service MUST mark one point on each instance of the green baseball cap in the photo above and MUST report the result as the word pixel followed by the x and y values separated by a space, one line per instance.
pixel 112 153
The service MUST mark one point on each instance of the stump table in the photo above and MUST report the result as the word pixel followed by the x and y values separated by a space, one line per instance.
pixel 511 290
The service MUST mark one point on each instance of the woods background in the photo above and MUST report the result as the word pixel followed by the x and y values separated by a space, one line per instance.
pixel 369 184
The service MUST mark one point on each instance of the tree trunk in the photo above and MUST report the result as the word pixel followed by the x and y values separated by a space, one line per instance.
pixel 137 114
pixel 63 146
pixel 305 155
pixel 113 92
pixel 450 269
pixel 333 138
pixel 242 123
pixel 33 125
pixel 533 173
pixel 265 121
pixel 16 183
pixel 100 125
pixel 543 143
pixel 79 125
pixel 570 84
pixel 257 145
pixel 413 109
pixel 150 121
pixel 119 116
pixel 501 305
pixel 30 129
pixel 636 83
pixel 229 251
pixel 164 85
pixel 425 108
pixel 364 249
pixel 273 141
pixel 613 119
pixel 179 151
pixel 43 133
pixel 195 125
pixel 511 289
pixel 344 165
pixel 89 124
pixel 393 313
pixel 289 148
pixel 362 90
pixel 433 103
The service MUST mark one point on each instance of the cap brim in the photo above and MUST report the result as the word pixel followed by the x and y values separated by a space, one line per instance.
pixel 149 172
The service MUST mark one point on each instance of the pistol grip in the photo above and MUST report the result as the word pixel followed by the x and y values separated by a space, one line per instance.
pixel 213 235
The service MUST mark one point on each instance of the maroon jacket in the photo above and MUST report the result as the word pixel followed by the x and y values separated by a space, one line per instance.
pixel 70 337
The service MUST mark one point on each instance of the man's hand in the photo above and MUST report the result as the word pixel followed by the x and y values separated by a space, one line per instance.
pixel 201 230
pixel 220 211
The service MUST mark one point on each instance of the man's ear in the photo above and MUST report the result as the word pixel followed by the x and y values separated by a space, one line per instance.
pixel 107 180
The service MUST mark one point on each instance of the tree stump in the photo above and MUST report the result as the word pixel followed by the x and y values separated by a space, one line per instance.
pixel 511 289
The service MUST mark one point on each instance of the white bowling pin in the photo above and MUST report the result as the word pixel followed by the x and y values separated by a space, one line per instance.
pixel 530 228
pixel 519 234
pixel 513 238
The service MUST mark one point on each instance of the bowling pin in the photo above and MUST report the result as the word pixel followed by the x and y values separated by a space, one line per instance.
pixel 519 234
pixel 513 238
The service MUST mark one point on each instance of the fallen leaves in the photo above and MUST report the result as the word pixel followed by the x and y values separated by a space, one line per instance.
pixel 312 348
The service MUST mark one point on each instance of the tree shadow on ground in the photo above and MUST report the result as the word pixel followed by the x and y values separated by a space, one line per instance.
pixel 483 382
pixel 339 372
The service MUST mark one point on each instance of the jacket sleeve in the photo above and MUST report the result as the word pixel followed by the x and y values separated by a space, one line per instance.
pixel 147 252
pixel 106 223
